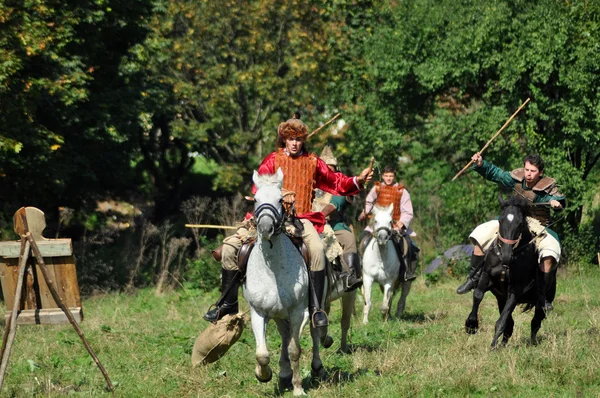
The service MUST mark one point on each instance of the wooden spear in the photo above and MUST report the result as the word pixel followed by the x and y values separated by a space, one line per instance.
pixel 210 226
pixel 491 139
pixel 320 128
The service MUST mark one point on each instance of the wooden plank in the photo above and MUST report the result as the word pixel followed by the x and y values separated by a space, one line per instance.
pixel 45 297
pixel 48 248
pixel 9 268
pixel 53 316
pixel 66 280
pixel 30 297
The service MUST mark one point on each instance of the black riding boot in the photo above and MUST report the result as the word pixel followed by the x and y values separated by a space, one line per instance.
pixel 315 299
pixel 412 260
pixel 474 273
pixel 351 274
pixel 545 286
pixel 229 304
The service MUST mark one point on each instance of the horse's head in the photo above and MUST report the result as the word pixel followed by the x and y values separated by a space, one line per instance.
pixel 268 208
pixel 512 224
pixel 382 228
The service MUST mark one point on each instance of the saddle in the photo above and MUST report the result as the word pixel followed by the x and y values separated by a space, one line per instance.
pixel 246 249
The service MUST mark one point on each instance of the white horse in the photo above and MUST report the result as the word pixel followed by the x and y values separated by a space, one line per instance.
pixel 382 265
pixel 276 287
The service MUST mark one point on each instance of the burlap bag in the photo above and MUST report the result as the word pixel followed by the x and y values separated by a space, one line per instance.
pixel 216 339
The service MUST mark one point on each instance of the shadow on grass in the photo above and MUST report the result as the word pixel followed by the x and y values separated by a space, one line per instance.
pixel 333 376
pixel 420 317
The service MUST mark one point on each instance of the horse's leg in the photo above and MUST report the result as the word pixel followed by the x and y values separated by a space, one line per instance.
pixel 259 326
pixel 348 300
pixel 510 323
pixel 509 307
pixel 296 326
pixel 285 369
pixel 326 339
pixel 316 367
pixel 402 301
pixel 388 292
pixel 367 284
pixel 472 322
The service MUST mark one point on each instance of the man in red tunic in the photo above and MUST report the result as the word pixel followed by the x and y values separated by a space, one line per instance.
pixel 302 172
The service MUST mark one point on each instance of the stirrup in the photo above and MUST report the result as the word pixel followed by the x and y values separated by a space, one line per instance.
pixel 313 316
pixel 355 285
pixel 220 311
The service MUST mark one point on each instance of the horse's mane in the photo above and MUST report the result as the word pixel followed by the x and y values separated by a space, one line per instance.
pixel 516 201
pixel 268 179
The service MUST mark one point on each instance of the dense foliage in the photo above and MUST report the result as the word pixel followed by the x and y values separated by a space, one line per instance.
pixel 153 102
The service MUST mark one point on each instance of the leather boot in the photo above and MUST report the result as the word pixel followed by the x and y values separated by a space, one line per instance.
pixel 350 274
pixel 315 299
pixel 229 302
pixel 546 279
pixel 474 273
pixel 412 259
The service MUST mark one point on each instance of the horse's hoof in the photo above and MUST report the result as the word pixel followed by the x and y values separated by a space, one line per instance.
pixel 327 341
pixel 470 330
pixel 285 383
pixel 471 327
pixel 266 379
pixel 299 393
pixel 318 374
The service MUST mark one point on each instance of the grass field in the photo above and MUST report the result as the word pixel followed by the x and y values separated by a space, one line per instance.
pixel 145 343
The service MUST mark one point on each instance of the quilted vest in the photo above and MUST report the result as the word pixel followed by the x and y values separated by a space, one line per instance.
pixel 299 175
pixel 545 185
pixel 388 194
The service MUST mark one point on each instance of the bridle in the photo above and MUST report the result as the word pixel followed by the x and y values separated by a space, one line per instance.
pixel 270 211
pixel 513 242
pixel 384 228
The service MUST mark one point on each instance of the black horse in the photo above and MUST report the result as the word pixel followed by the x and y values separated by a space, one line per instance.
pixel 511 273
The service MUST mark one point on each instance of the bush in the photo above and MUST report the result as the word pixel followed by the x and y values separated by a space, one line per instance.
pixel 204 272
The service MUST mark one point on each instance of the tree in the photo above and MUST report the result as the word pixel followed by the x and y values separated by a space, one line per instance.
pixel 218 77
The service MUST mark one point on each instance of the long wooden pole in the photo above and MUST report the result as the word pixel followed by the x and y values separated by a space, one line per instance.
pixel 492 139
pixel 12 325
pixel 321 128
pixel 61 304
pixel 211 226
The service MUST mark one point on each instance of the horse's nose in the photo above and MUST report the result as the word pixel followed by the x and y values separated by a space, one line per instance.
pixel 265 231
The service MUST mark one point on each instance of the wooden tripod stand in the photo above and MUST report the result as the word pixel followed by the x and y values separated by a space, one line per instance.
pixel 29 224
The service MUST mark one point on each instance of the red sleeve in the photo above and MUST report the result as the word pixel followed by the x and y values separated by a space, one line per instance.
pixel 266 167
pixel 334 183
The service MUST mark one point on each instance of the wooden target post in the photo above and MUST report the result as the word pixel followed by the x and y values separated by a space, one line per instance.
pixel 42 292
pixel 37 306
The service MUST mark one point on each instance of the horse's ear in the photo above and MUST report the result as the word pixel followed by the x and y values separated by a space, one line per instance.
pixel 500 199
pixel 256 179
pixel 279 174
pixel 390 208
pixel 375 210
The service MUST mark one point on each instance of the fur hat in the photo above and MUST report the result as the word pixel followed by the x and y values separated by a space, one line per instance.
pixel 292 128
pixel 327 156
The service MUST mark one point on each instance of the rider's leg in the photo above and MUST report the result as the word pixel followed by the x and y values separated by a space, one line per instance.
pixel 482 237
pixel 475 270
pixel 412 259
pixel 549 255
pixel 230 277
pixel 317 273
pixel 350 260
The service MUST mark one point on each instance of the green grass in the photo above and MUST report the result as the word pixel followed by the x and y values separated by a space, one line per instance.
pixel 145 343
